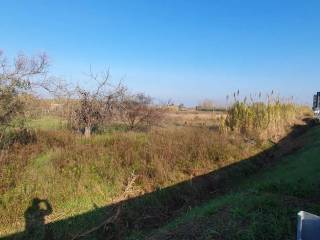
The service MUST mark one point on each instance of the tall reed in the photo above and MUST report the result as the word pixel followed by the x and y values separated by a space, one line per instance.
pixel 261 119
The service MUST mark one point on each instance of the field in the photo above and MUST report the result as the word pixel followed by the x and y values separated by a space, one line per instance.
pixel 194 118
pixel 126 183
pixel 93 171
pixel 158 120
pixel 262 206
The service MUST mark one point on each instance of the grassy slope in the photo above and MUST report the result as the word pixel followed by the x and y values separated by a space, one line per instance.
pixel 71 194
pixel 40 178
pixel 264 206
pixel 78 175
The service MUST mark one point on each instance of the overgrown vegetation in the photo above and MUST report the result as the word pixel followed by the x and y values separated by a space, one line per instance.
pixel 263 206
pixel 125 146
pixel 263 120
pixel 97 169
pixel 138 111
pixel 76 174
pixel 15 82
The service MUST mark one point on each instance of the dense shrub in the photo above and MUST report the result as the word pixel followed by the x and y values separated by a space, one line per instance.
pixel 138 110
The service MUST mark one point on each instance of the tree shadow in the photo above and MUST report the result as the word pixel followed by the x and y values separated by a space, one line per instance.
pixel 152 210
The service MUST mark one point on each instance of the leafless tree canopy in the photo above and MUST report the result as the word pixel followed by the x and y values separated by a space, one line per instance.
pixel 97 107
pixel 138 110
pixel 85 109
pixel 15 79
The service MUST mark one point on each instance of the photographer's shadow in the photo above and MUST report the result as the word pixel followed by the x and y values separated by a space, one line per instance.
pixel 35 227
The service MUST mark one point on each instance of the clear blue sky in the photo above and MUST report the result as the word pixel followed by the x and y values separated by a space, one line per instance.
pixel 186 50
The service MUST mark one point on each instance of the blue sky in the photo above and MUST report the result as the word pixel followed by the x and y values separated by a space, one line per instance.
pixel 184 50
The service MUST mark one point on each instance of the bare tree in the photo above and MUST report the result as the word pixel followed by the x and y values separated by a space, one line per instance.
pixel 97 107
pixel 16 79
pixel 138 110
pixel 84 108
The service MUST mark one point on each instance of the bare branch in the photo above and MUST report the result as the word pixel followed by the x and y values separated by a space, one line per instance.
pixel 15 79
pixel 98 106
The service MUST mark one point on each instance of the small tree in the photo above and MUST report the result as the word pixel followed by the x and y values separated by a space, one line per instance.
pixel 15 80
pixel 98 106
pixel 138 110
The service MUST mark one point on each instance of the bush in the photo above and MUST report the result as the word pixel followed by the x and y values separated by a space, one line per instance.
pixel 21 136
pixel 15 81
pixel 138 111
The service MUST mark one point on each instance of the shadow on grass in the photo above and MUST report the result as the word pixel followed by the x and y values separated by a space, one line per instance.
pixel 152 210
pixel 35 219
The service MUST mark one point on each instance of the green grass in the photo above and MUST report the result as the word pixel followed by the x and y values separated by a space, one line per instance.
pixel 42 179
pixel 263 206
pixel 78 175
pixel 47 123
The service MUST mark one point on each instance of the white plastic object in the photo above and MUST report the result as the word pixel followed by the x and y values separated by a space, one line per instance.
pixel 308 226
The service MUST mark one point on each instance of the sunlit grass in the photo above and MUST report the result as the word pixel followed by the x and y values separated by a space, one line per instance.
pixel 263 206
pixel 47 123
pixel 77 174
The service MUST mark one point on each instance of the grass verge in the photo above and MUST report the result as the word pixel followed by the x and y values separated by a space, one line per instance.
pixel 263 206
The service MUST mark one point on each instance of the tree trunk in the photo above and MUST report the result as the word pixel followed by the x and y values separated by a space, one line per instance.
pixel 87 131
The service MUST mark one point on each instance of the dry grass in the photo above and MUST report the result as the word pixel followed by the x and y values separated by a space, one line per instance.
pixel 75 174
pixel 194 118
